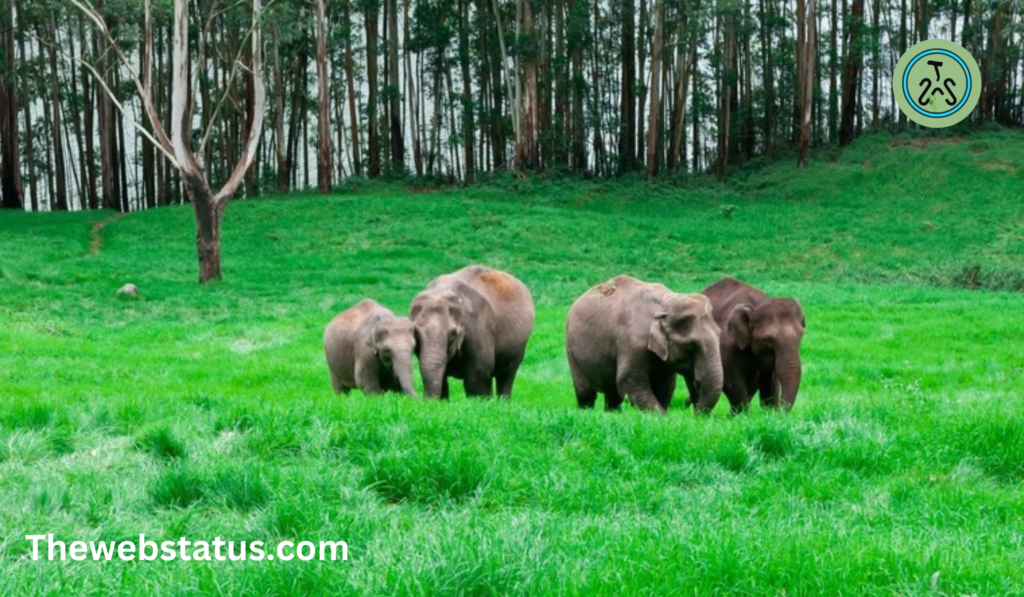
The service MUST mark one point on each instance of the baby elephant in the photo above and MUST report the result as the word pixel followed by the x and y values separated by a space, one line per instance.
pixel 760 344
pixel 369 348
pixel 630 338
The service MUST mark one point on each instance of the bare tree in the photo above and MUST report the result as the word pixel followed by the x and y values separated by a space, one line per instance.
pixel 207 205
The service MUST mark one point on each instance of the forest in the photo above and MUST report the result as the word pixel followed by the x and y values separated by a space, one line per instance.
pixel 288 95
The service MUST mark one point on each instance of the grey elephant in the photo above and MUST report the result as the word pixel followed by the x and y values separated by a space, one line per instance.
pixel 472 325
pixel 369 348
pixel 627 338
pixel 760 344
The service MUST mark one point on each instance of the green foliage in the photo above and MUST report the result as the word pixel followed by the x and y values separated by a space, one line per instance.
pixel 207 411
pixel 161 442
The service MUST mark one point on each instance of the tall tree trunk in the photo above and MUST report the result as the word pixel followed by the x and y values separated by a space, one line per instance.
pixel 410 78
pixel 11 189
pixel 88 124
pixel 324 159
pixel 600 159
pixel 577 29
pixel 903 41
pixel 964 33
pixel 851 73
pixel 768 69
pixel 529 157
pixel 654 111
pixel 394 91
pixel 642 91
pixel 807 20
pixel 682 84
pixel 107 128
pixel 467 90
pixel 727 85
pixel 60 200
pixel 876 55
pixel 353 114
pixel 148 151
pixel 833 68
pixel 627 101
pixel 373 83
pixel 280 139
pixel 695 145
pixel 512 91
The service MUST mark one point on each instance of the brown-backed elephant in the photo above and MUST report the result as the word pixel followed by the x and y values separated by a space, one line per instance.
pixel 472 325
pixel 369 348
pixel 760 344
pixel 627 338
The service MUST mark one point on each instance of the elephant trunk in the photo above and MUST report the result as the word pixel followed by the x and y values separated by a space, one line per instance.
pixel 708 374
pixel 403 372
pixel 788 371
pixel 433 359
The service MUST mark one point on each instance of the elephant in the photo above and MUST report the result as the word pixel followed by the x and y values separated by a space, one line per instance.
pixel 473 325
pixel 368 347
pixel 760 344
pixel 631 338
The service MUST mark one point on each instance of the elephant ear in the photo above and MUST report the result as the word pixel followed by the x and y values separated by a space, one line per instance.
pixel 739 326
pixel 657 339
pixel 371 341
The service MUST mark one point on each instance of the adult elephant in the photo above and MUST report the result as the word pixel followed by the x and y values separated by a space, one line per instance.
pixel 760 344
pixel 472 325
pixel 627 338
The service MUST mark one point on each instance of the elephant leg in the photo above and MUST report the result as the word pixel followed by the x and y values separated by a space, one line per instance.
pixel 506 378
pixel 390 384
pixel 444 388
pixel 768 388
pixel 633 378
pixel 664 385
pixel 586 395
pixel 640 394
pixel 339 386
pixel 478 383
pixel 612 400
pixel 368 377
pixel 739 396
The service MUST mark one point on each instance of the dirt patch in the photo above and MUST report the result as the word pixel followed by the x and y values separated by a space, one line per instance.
pixel 924 142
pixel 96 242
pixel 999 167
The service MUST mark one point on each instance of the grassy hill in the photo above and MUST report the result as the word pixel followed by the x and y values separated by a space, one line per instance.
pixel 206 411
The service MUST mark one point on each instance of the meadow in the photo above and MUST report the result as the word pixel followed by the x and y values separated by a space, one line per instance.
pixel 206 411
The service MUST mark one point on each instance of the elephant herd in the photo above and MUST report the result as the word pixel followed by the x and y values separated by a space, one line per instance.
pixel 624 339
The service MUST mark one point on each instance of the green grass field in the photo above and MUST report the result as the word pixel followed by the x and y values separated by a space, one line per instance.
pixel 206 411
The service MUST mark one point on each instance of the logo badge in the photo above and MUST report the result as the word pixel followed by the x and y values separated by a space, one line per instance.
pixel 937 83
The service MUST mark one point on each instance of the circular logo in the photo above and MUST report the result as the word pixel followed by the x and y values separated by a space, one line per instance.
pixel 937 83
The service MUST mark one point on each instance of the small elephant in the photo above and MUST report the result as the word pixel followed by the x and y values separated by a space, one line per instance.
pixel 472 325
pixel 630 338
pixel 760 344
pixel 369 348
